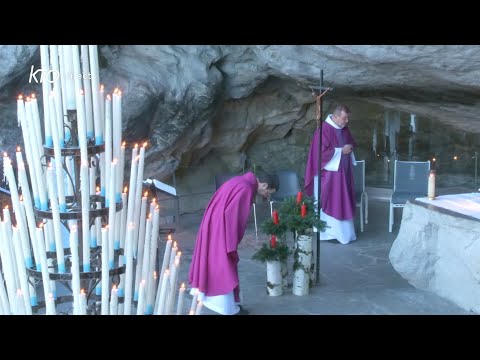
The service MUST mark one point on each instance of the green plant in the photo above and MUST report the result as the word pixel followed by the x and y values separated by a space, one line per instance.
pixel 268 253
pixel 290 212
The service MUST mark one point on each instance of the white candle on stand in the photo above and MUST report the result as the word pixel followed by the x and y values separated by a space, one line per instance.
pixel 8 262
pixel 105 271
pixel 85 72
pixel 132 187
pixel 138 190
pixel 75 269
pixel 31 231
pixel 128 270
pixel 181 295
pixel 152 261
pixel 114 301
pixel 46 88
pixel 8 170
pixel 163 293
pixel 173 287
pixel 85 196
pixel 44 266
pixel 52 191
pixel 50 305
pixel 194 301
pixel 22 308
pixel 69 78
pixel 145 261
pixel 83 303
pixel 102 108
pixel 123 218
pixel 36 123
pixel 108 142
pixel 57 91
pixel 120 171
pixel 141 246
pixel 22 272
pixel 5 304
pixel 141 299
pixel 111 214
pixel 62 204
pixel 431 185
pixel 166 254
pixel 97 96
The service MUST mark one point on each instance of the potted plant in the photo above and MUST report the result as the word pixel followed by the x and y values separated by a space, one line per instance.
pixel 300 217
pixel 274 254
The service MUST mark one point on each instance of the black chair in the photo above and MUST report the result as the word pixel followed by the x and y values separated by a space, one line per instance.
pixel 361 196
pixel 288 185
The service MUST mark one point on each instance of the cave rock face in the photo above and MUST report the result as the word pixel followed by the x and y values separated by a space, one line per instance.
pixel 203 108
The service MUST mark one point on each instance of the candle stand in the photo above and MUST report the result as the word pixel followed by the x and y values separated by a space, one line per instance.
pixel 89 279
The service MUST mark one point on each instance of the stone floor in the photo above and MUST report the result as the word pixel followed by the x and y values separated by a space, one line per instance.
pixel 355 279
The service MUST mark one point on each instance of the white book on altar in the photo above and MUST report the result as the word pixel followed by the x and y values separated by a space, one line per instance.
pixel 162 186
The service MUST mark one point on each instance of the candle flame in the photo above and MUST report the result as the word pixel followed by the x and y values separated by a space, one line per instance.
pixel 149 216
pixel 154 274
pixel 106 227
pixel 167 272
pixel 191 312
pixel 119 93
pixel 102 87
pixel 135 146
pixel 434 159
pixel 125 189
pixel 21 197
pixel 5 154
pixel 82 291
pixel 97 188
pixel 145 144
pixel 455 157
pixel 50 165
pixel 33 96
pixel 146 194
pixel 40 226
pixel 109 98
pixel 18 148
pixel 50 296
pixel 179 253
pixel 28 99
pixel 81 92
pixel 6 207
pixel 20 97
pixel 114 161
pixel 157 208
pixel 153 201
pixel 174 244
pixel 142 283
pixel 124 143
pixel 169 237
pixel 115 91
pixel 114 287
pixel 182 286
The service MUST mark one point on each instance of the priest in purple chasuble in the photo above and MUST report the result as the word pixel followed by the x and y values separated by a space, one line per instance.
pixel 213 271
pixel 337 184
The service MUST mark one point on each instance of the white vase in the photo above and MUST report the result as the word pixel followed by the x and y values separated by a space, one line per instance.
pixel 274 278
pixel 284 271
pixel 302 265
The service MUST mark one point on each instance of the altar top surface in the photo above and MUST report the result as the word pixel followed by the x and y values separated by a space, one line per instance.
pixel 466 205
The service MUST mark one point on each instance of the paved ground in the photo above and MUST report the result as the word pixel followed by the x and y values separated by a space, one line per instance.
pixel 355 279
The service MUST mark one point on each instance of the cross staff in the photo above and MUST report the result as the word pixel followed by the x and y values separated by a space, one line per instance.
pixel 318 94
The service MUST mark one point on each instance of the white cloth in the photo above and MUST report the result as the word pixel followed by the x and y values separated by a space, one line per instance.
pixel 222 304
pixel 466 204
pixel 342 230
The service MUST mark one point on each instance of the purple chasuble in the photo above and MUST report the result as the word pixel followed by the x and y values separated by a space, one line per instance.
pixel 214 262
pixel 338 191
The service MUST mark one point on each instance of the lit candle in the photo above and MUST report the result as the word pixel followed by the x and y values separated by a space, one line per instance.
pixel 273 242
pixel 108 142
pixel 83 303
pixel 275 217
pixel 304 210
pixel 145 262
pixel 431 185
pixel 102 108
pixel 97 97
pixel 44 268
pixel 21 305
pixel 299 197
pixel 141 246
pixel 181 295
pixel 152 261
pixel 22 273
pixel 160 310
pixel 173 287
pixel 132 188
pixel 166 254
pixel 123 217
pixel 85 196
pixel 138 190
pixel 120 171
pixel 57 91
pixel 114 301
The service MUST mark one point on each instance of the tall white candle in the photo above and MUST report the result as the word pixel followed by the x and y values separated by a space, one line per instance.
pixel 75 269
pixel 181 295
pixel 62 204
pixel 52 191
pixel 105 271
pixel 152 262
pixel 138 190
pixel 108 142
pixel 431 185
pixel 141 299
pixel 198 309
pixel 85 73
pixel 85 195
pixel 57 122
pixel 5 304
pixel 8 262
pixel 163 293
pixel 83 303
pixel 173 287
pixel 63 84
pixel 97 97
pixel 21 305
pixel 46 88
pixel 129 270
pixel 22 272
pixel 146 255
pixel 102 109
pixel 114 301
pixel 69 78
pixel 123 218
pixel 166 254
pixel 111 214
pixel 39 238
pixel 36 123
pixel 194 301
pixel 120 171
pixel 141 244
pixel 132 187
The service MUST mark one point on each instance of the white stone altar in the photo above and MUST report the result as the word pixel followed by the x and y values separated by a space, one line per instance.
pixel 438 247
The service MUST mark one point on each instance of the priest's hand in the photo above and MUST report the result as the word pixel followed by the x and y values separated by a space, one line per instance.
pixel 347 149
